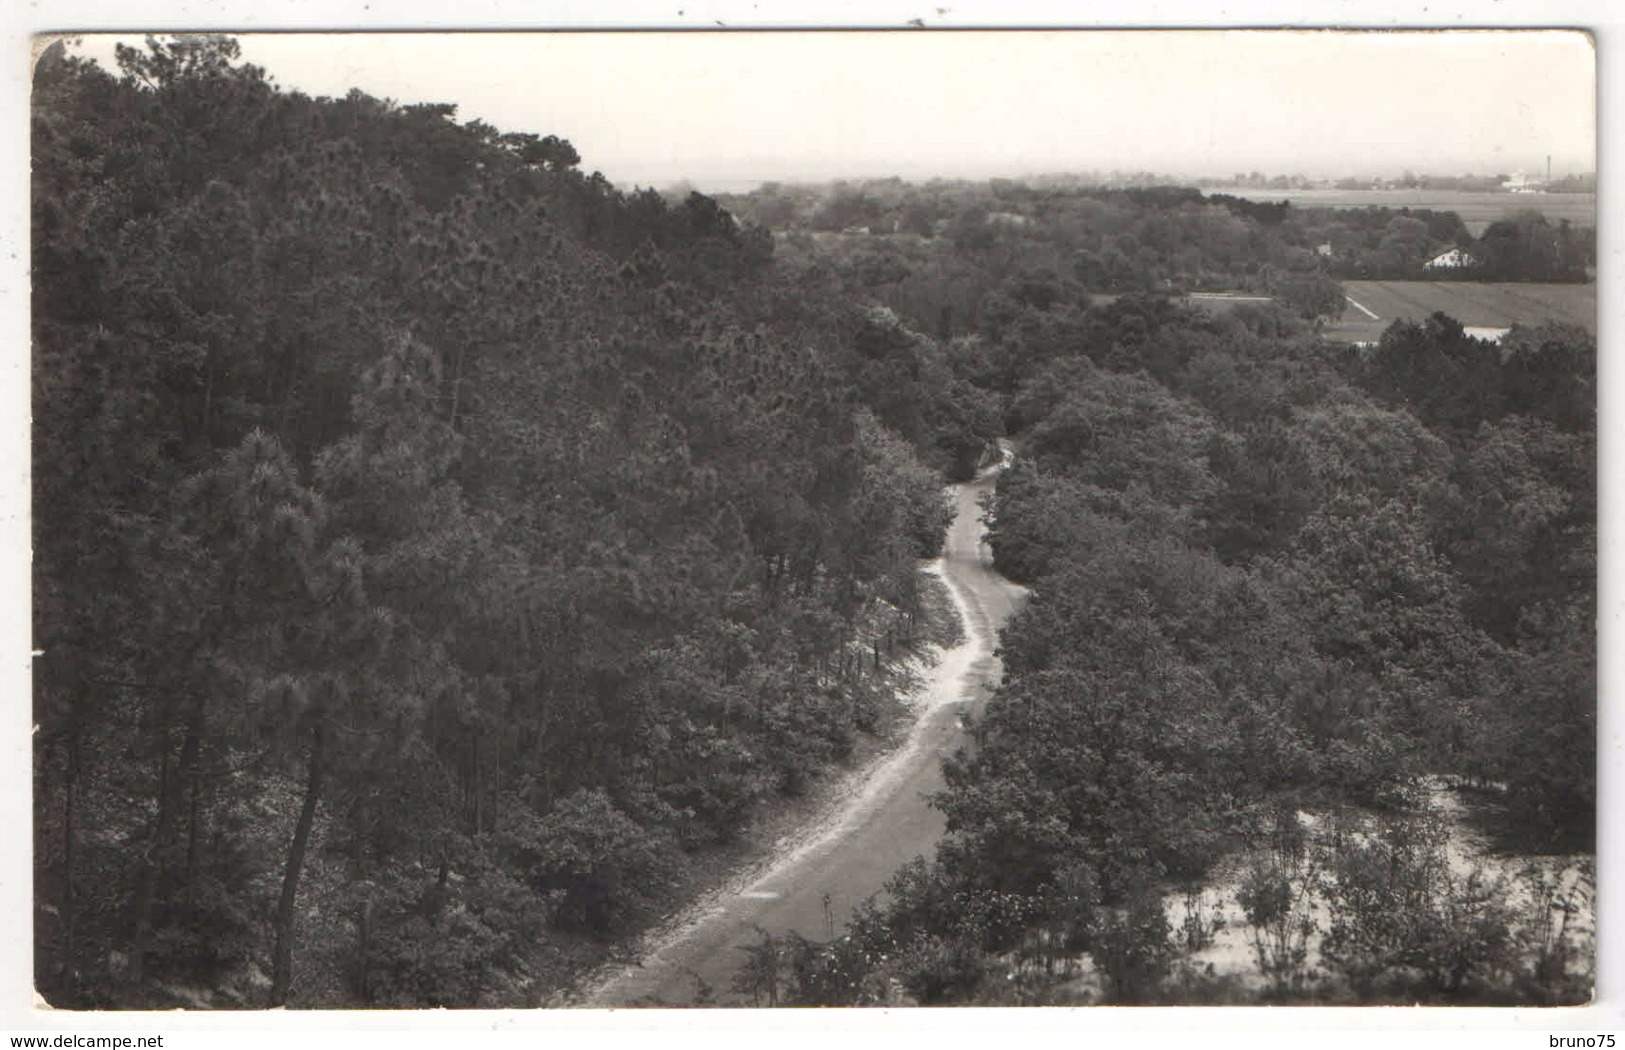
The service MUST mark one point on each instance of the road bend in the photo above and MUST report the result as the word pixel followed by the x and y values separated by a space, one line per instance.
pixel 813 885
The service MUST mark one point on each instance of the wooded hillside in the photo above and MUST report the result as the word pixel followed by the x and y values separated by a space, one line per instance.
pixel 434 544
pixel 441 554
pixel 1284 593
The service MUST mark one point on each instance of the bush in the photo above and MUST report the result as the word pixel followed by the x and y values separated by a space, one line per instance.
pixel 1405 923
pixel 1134 949
pixel 442 943
pixel 596 866
pixel 1276 896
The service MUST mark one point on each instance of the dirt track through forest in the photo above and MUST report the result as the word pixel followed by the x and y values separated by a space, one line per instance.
pixel 882 821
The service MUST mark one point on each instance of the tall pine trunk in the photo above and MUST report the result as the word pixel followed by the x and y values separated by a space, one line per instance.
pixel 457 383
pixel 69 929
pixel 191 844
pixel 191 760
pixel 157 868
pixel 152 870
pixel 282 961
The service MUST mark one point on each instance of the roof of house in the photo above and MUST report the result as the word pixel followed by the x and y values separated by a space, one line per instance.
pixel 1453 257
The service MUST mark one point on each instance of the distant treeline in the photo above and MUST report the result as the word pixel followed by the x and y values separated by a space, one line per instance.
pixel 1171 238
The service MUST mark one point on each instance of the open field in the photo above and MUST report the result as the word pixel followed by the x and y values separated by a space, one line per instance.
pixel 1477 210
pixel 1481 305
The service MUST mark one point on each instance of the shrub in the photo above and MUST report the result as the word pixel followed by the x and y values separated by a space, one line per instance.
pixel 1134 949
pixel 1404 922
pixel 596 866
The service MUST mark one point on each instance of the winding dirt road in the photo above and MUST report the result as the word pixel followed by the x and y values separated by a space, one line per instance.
pixel 813 886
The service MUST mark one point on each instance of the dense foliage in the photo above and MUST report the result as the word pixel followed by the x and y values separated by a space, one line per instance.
pixel 434 544
pixel 1270 576
pixel 937 252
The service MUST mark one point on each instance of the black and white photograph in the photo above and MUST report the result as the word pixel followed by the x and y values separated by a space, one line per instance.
pixel 763 518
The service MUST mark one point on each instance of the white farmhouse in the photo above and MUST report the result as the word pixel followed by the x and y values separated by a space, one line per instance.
pixel 1454 259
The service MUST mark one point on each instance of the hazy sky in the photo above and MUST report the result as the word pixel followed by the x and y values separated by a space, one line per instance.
pixel 723 108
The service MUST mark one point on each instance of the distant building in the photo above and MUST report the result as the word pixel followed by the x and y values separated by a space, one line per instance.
pixel 1521 183
pixel 1454 259
pixel 1324 249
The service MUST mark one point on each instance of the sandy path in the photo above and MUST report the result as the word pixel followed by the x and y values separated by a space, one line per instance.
pixel 881 822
